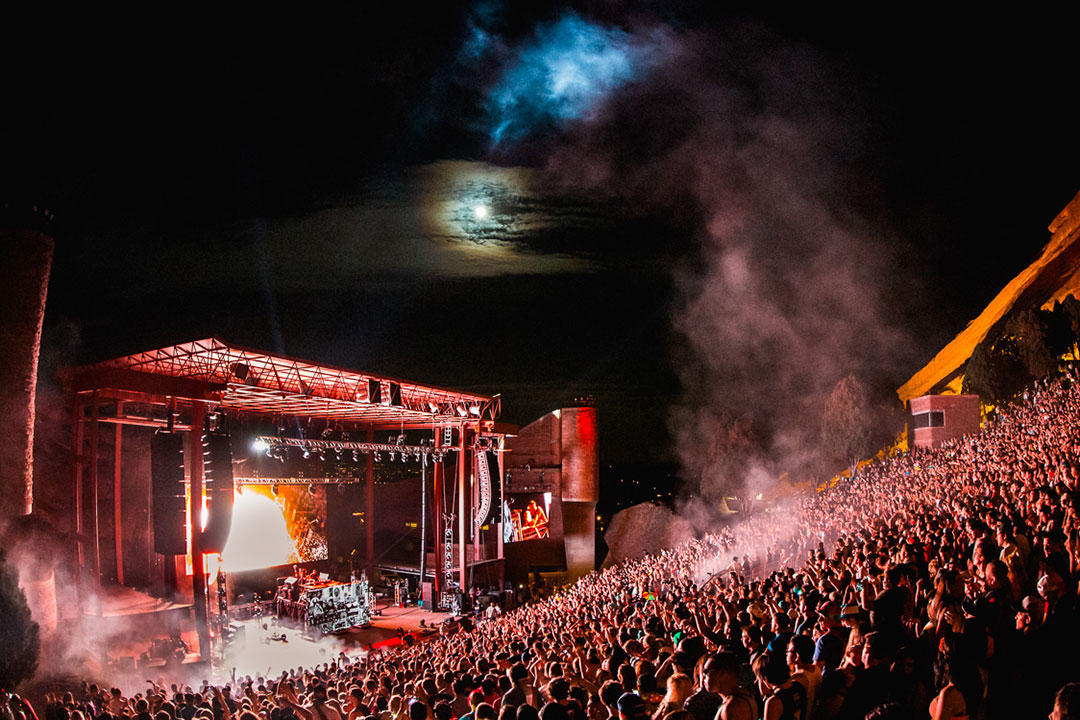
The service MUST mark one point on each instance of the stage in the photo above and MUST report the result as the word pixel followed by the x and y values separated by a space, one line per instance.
pixel 257 652
pixel 258 646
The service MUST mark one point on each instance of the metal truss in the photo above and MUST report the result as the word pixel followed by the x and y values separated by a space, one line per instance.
pixel 266 383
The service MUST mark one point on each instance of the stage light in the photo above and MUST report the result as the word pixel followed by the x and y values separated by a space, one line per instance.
pixel 259 445
pixel 378 456
pixel 393 456
pixel 474 409
pixel 307 453
pixel 270 453
pixel 462 410
pixel 311 488
pixel 355 456
pixel 322 455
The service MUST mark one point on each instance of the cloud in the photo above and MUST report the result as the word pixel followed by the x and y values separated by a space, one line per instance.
pixel 565 71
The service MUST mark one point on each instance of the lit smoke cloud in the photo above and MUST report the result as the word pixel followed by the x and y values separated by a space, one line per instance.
pixel 564 72
pixel 792 281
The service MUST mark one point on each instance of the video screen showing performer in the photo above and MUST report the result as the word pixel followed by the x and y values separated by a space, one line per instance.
pixel 526 516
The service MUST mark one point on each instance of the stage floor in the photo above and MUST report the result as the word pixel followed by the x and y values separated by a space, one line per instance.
pixel 254 651
pixel 257 652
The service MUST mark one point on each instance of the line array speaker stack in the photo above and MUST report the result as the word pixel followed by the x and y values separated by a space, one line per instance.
pixel 218 478
pixel 167 489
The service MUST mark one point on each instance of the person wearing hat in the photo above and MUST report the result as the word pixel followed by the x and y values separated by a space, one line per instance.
pixel 632 707
pixel 829 648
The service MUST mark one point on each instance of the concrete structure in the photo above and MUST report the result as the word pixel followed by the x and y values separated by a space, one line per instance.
pixel 557 454
pixel 937 418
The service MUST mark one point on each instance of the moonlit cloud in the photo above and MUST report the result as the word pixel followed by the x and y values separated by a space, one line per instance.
pixel 517 204
pixel 565 71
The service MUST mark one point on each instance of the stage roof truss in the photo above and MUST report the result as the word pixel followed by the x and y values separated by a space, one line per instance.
pixel 269 384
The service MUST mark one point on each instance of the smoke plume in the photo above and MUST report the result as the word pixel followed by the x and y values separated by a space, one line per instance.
pixel 791 281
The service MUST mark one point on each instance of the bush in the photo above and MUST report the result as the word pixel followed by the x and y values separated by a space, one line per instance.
pixel 19 641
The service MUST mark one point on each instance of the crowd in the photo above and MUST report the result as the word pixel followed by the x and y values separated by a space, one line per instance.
pixel 937 583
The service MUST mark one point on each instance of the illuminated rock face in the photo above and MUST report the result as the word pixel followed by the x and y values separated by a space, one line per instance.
pixel 1053 276
pixel 27 256
pixel 644 528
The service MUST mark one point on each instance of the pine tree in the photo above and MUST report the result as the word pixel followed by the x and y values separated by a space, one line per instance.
pixel 19 641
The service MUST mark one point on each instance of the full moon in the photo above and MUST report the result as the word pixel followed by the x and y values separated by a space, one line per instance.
pixel 481 212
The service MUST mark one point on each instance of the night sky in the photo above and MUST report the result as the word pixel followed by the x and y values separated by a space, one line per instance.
pixel 686 213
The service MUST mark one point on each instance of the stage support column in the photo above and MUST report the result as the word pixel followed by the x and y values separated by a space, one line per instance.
pixel 474 502
pixel 439 525
pixel 117 515
pixel 369 510
pixel 423 527
pixel 499 529
pixel 462 512
pixel 198 570
pixel 92 466
pixel 77 464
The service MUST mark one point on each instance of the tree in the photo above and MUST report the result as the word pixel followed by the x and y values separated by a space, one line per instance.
pixel 847 425
pixel 1029 331
pixel 1027 346
pixel 727 454
pixel 995 371
pixel 19 641
pixel 1064 328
